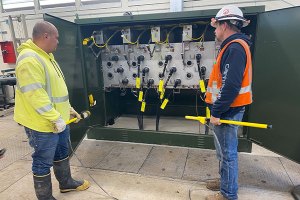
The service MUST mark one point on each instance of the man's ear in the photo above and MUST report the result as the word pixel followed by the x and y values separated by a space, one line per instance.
pixel 225 26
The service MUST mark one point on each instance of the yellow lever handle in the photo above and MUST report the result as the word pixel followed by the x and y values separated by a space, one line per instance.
pixel 250 124
pixel 202 120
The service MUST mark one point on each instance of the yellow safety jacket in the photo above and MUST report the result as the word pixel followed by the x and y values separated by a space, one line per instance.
pixel 41 93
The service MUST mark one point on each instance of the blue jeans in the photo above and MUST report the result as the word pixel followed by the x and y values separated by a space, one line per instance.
pixel 228 156
pixel 48 147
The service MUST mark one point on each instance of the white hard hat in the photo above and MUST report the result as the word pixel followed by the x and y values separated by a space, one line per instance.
pixel 231 13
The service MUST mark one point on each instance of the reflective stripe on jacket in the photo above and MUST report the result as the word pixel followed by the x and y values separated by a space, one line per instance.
pixel 41 93
pixel 215 81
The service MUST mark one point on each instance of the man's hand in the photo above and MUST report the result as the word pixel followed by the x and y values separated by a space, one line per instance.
pixel 214 120
pixel 74 114
pixel 59 125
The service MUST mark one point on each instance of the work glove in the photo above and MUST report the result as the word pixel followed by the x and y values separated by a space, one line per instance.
pixel 59 125
pixel 74 114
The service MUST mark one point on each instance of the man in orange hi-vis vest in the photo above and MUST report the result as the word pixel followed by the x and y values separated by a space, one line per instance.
pixel 228 92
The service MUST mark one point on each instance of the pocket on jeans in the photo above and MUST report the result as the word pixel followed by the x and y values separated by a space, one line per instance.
pixel 243 110
pixel 30 136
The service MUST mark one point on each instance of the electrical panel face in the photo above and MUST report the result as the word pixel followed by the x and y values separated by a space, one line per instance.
pixel 149 76
pixel 120 64
pixel 173 55
pixel 154 69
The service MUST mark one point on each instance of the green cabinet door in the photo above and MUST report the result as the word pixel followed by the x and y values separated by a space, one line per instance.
pixel 68 55
pixel 276 82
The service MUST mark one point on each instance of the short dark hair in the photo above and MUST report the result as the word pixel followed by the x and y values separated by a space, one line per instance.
pixel 42 27
pixel 235 27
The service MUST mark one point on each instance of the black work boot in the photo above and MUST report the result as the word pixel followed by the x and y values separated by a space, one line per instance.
pixel 43 187
pixel 63 175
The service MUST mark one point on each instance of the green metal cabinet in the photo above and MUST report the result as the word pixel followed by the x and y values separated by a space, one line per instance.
pixel 276 81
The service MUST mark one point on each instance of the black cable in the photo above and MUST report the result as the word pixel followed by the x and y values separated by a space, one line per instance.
pixel 167 59
pixel 172 71
pixel 140 59
pixel 177 82
pixel 87 171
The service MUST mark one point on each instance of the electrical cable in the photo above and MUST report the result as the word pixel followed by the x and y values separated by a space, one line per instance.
pixel 86 169
pixel 137 41
pixel 139 86
pixel 166 41
pixel 106 43
pixel 166 100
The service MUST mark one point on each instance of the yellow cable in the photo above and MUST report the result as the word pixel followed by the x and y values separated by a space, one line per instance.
pixel 129 42
pixel 99 46
pixel 106 43
pixel 194 39
pixel 138 39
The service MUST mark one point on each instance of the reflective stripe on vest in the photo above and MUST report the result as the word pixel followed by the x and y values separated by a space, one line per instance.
pixel 215 91
pixel 32 54
pixel 60 99
pixel 44 109
pixel 30 87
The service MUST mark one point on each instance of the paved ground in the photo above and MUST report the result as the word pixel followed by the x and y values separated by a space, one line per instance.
pixel 128 171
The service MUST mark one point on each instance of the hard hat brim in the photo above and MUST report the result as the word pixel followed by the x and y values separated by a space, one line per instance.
pixel 214 21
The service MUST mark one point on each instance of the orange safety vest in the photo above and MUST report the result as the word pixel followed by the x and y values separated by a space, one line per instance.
pixel 215 80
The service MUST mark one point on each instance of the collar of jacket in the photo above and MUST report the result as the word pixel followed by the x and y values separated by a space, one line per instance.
pixel 29 44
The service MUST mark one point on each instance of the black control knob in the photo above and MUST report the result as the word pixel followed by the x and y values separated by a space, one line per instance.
pixel 189 63
pixel 177 82
pixel 160 75
pixel 150 82
pixel 168 57
pixel 140 58
pixel 203 70
pixel 120 70
pixel 108 64
pixel 110 75
pixel 145 70
pixel 189 75
pixel 125 81
pixel 115 58
pixel 198 57
pixel 160 63
pixel 173 70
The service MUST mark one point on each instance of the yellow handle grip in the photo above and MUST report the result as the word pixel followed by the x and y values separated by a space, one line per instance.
pixel 71 121
pixel 163 105
pixel 140 99
pixel 137 82
pixel 202 86
pixel 161 85
pixel 143 106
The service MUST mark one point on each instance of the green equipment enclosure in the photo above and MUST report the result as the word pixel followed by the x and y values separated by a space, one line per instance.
pixel 276 77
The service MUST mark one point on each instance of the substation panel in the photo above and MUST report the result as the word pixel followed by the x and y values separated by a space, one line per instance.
pixel 148 74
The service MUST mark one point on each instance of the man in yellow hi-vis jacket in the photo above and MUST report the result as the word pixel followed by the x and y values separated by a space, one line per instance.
pixel 42 107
